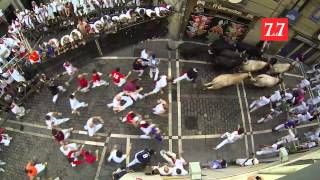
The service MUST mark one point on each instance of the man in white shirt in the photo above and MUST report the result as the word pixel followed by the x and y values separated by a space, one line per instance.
pixel 305 117
pixel 116 155
pixel 303 84
pixel 70 70
pixel 275 97
pixel 247 161
pixel 262 101
pixel 314 101
pixel 164 170
pixel 299 109
pixel 93 125
pixel 19 111
pixel 161 83
pixel 145 54
pixel 178 169
pixel 75 104
pixel 274 148
pixel 52 120
pixel 313 136
pixel 230 137
pixel 287 139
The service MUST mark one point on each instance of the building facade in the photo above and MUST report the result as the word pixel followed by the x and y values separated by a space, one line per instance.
pixel 204 19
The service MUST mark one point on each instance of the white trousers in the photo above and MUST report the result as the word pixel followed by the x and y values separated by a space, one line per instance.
pixel 85 89
pixel 184 76
pixel 133 162
pixel 155 72
pixel 66 133
pixel 128 101
pixel 79 105
pixel 224 142
pixel 57 122
pixel 266 150
pixel 99 83
pixel 121 82
pixel 92 131
pixel 168 156
pixel 55 97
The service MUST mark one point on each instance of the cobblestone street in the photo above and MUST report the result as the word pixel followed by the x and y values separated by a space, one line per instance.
pixel 192 128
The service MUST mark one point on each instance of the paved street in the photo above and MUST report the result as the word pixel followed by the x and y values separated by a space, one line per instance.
pixel 195 121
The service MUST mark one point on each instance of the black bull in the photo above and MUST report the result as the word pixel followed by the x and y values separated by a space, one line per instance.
pixel 223 57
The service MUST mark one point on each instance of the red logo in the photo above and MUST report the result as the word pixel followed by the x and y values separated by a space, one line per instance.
pixel 274 29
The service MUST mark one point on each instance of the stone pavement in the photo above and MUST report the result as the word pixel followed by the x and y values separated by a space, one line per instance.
pixel 192 128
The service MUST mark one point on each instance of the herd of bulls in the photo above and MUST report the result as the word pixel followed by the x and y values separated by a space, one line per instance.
pixel 245 61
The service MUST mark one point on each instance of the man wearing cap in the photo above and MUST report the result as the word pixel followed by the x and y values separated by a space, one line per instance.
pixel 190 75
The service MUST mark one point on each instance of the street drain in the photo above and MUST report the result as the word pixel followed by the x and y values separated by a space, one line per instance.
pixel 191 122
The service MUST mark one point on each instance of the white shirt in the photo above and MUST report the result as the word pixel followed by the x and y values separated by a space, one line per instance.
pixel 68 148
pixel 275 97
pixel 74 103
pixel 17 109
pixel 263 101
pixel 51 121
pixel 288 96
pixel 113 156
pixel 53 6
pixel 16 76
pixel 4 51
pixel 92 130
pixel 163 173
pixel 314 101
pixel 10 43
pixel 70 69
pixel 162 82
pixel 179 165
pixel 304 83
pixel 247 162
pixel 304 117
pixel 149 12
pixel 144 54
pixel 234 136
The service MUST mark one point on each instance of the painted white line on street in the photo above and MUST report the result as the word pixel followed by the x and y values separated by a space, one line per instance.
pixel 293 75
pixel 102 158
pixel 248 115
pixel 243 121
pixel 212 136
pixel 50 137
pixel 262 131
pixel 161 59
pixel 170 103
pixel 178 105
pixel 164 40
pixel 194 61
pixel 128 148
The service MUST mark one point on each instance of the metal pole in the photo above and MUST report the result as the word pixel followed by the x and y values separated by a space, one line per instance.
pixel 98 47
pixel 26 42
